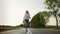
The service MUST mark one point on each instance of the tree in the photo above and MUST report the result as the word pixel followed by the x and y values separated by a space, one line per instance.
pixel 40 19
pixel 21 25
pixel 59 14
pixel 34 21
pixel 53 5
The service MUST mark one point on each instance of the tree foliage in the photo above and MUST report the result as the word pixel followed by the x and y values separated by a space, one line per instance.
pixel 53 5
pixel 40 19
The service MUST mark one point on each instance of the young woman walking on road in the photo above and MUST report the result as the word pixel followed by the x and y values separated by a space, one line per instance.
pixel 26 20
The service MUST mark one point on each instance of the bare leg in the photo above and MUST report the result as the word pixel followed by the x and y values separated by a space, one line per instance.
pixel 26 29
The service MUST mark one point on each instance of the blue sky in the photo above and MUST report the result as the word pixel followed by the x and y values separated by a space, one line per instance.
pixel 12 11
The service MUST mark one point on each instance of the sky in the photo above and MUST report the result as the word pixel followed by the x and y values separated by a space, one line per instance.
pixel 12 11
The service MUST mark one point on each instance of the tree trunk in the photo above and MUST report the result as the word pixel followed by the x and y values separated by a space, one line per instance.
pixel 55 14
pixel 56 19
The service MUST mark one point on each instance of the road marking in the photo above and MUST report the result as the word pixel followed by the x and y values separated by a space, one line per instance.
pixel 29 32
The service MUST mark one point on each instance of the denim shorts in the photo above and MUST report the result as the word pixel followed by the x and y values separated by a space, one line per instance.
pixel 27 23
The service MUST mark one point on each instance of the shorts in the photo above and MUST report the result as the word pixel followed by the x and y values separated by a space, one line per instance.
pixel 27 23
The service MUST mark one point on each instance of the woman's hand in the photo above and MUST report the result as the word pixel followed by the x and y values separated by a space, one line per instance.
pixel 23 21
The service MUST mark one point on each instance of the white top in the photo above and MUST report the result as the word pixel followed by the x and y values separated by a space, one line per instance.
pixel 26 16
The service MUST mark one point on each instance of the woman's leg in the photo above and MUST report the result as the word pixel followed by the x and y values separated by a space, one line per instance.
pixel 26 30
pixel 27 25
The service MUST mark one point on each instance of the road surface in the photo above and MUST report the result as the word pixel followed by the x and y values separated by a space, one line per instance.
pixel 45 31
pixel 31 31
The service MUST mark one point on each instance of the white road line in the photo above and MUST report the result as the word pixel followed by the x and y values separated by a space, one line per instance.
pixel 29 32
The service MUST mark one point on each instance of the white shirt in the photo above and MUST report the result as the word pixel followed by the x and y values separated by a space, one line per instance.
pixel 26 16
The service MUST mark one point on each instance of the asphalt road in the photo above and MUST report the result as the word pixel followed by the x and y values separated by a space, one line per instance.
pixel 19 31
pixel 31 31
pixel 44 31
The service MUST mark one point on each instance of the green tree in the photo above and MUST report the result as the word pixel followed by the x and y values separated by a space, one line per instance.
pixel 53 5
pixel 35 20
pixel 40 19
pixel 59 14
pixel 21 25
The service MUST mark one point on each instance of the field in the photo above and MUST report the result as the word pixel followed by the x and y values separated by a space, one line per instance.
pixel 5 28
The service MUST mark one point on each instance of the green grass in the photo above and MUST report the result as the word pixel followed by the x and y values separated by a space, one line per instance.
pixel 50 27
pixel 5 28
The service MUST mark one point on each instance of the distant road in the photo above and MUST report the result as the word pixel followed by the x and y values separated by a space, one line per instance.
pixel 31 31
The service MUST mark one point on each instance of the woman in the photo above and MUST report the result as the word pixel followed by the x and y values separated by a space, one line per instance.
pixel 26 19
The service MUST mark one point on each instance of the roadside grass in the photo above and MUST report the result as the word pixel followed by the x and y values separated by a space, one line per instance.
pixel 53 27
pixel 5 28
pixel 50 28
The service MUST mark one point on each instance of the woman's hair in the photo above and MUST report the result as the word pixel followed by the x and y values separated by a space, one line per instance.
pixel 27 11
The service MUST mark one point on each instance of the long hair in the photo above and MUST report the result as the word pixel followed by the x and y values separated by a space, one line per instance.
pixel 27 11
